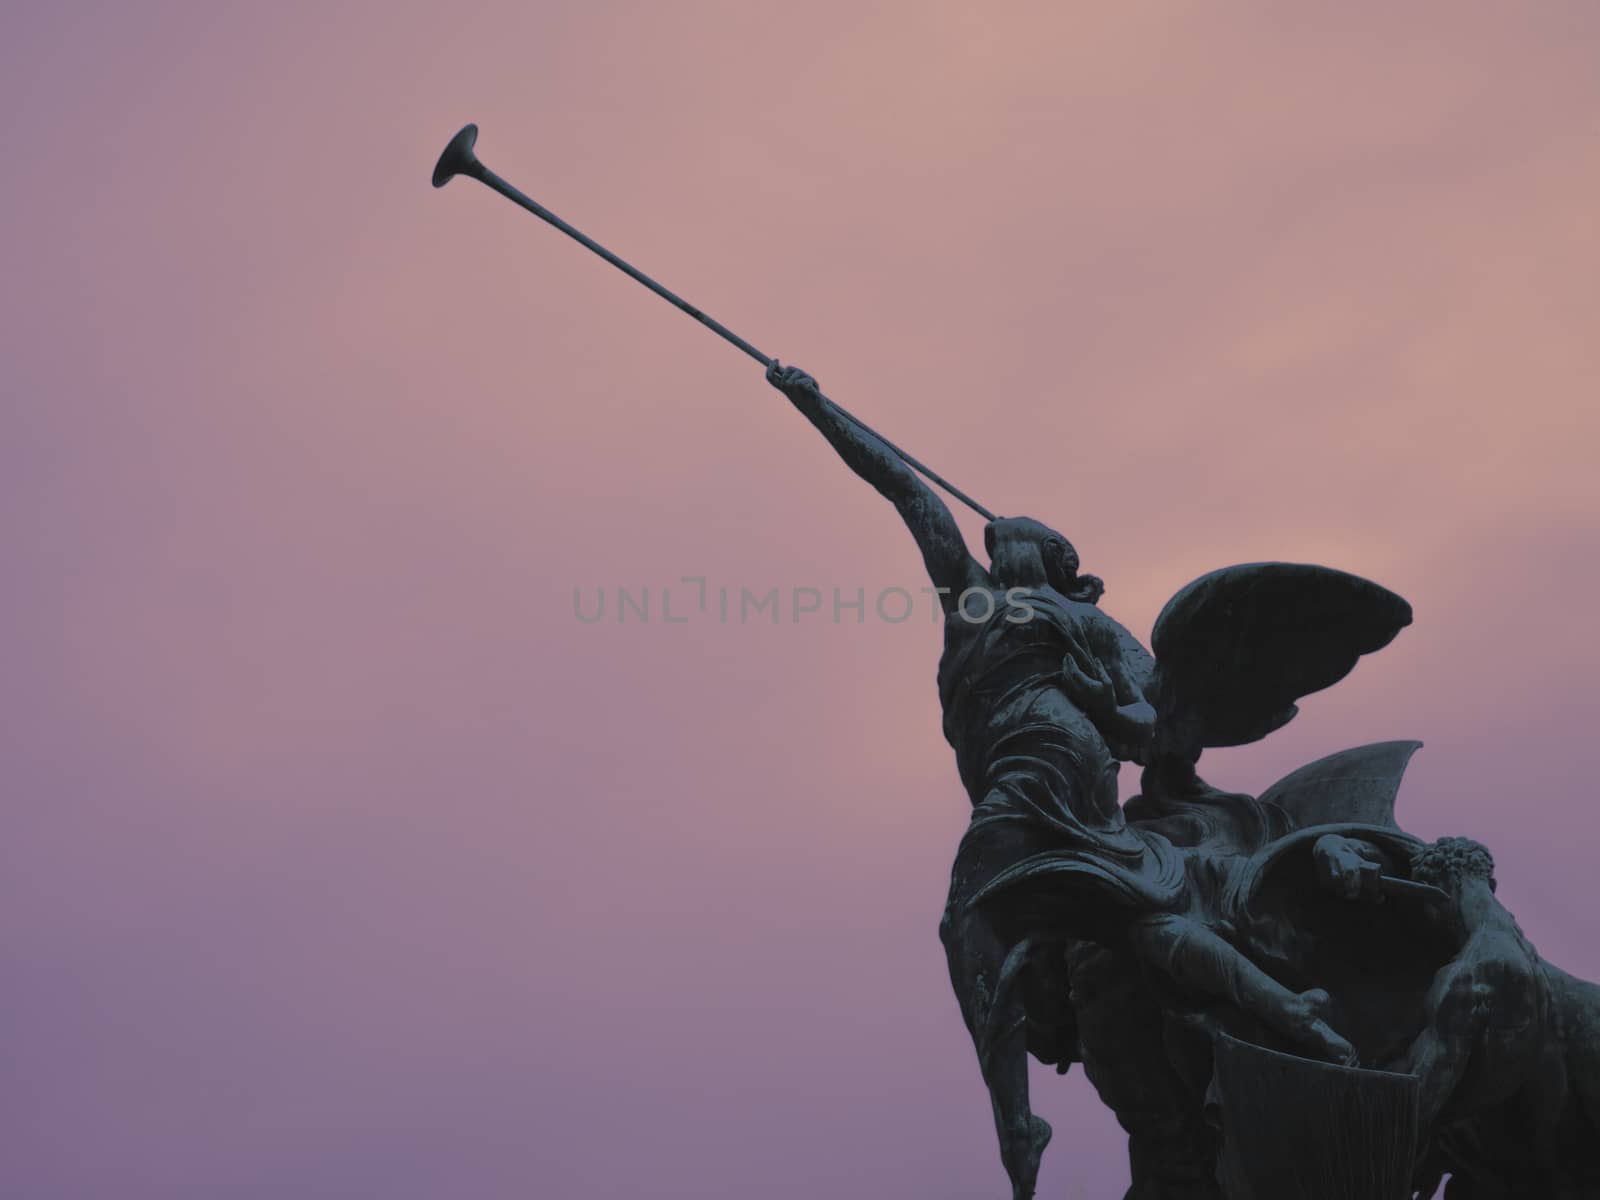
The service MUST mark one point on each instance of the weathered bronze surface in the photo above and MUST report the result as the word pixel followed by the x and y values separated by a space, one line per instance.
pixel 1279 996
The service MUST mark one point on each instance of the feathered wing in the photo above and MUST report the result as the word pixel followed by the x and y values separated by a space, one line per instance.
pixel 1139 663
pixel 1237 648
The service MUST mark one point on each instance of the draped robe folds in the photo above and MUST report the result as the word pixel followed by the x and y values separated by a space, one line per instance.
pixel 1042 778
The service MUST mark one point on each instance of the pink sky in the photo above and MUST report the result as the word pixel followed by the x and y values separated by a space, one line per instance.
pixel 341 860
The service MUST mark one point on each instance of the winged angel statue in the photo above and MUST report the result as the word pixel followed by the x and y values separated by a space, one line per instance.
pixel 1279 996
pixel 1282 995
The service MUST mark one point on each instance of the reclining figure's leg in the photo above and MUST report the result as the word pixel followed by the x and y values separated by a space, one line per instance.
pixel 1201 961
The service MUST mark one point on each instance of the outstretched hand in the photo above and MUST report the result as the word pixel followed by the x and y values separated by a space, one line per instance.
pixel 1349 867
pixel 790 380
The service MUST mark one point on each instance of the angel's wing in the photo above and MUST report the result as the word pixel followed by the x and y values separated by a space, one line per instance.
pixel 1236 648
pixel 1136 660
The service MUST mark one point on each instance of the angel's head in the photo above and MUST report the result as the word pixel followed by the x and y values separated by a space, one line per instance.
pixel 1023 553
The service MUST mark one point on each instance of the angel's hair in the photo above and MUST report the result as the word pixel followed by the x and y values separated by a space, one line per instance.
pixel 1027 553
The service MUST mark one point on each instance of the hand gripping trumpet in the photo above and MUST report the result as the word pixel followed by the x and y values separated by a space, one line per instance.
pixel 459 158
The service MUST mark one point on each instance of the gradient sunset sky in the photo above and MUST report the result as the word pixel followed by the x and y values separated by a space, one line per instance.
pixel 341 860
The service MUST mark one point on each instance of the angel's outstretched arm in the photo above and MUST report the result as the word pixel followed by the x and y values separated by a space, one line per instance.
pixel 944 552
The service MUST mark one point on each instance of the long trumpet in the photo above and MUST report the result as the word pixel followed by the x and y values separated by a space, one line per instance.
pixel 459 158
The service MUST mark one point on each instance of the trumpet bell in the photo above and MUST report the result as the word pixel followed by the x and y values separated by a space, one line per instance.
pixel 458 158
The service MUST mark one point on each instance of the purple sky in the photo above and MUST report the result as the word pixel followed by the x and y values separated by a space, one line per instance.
pixel 342 860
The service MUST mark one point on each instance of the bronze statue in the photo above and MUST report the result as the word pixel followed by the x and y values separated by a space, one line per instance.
pixel 1508 1055
pixel 1059 899
pixel 1043 694
pixel 1283 997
